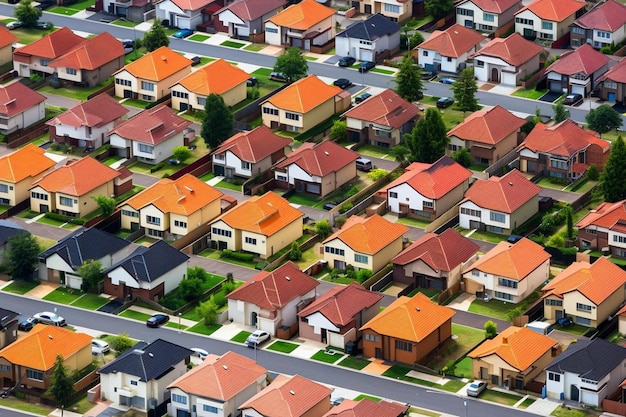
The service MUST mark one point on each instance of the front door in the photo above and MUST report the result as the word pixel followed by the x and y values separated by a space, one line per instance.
pixel 253 319
pixel 574 393
pixel 495 76
pixel 44 208
pixel 611 97
pixel 378 353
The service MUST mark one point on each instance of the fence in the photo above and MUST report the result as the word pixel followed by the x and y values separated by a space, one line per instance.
pixel 108 89
pixel 358 207
pixel 529 82
pixel 23 136
pixel 496 167
pixel 380 279
pixel 201 166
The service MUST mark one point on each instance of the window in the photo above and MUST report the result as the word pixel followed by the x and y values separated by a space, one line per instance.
pixel 130 213
pixel 405 346
pixel 66 201
pixel 425 53
pixel 4 188
pixel 578 30
pixel 427 204
pixel 181 399
pixel 292 116
pixel 583 307
pixel 546 25
pixel 393 194
pixel 221 232
pixel 449 59
pixel 133 383
pixel 291 128
pixel 362 259
pixel 39 196
pixel 554 377
pixel 334 251
pixel 475 273
pixel 70 71
pixel 470 212
pixel 464 12
pixel 251 240
pixel 281 177
pixel 155 233
pixel 126 83
pixel 180 94
pixel 382 133
pixel 153 220
pixel 147 86
pixel 503 282
pixel 371 337
pixel 554 303
pixel 610 84
pixel 268 110
pixel 497 217
pixel 479 63
pixel 555 163
pixel 180 223
pixel 523 21
pixel 146 97
pixel 392 8
pixel 246 165
pixel 543 35
pixel 209 408
pixel 485 27
pixel 503 296
pixel 44 62
pixel 146 148
pixel 271 30
pixel 488 17
pixel 591 231
pixel 602 34
pixel 201 101
pixel 620 239
pixel 34 374
pixel 5 368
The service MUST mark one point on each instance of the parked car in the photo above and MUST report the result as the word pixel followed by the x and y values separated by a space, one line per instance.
pixel 565 322
pixel 514 238
pixel 444 102
pixel 446 80
pixel 343 83
pixel 14 25
pixel 572 99
pixel 157 320
pixel 46 317
pixel 330 205
pixel 251 82
pixel 129 45
pixel 476 388
pixel 363 164
pixel 257 338
pixel 201 353
pixel 361 98
pixel 44 25
pixel 26 325
pixel 278 76
pixel 183 33
pixel 195 60
pixel 366 66
pixel 44 4
pixel 99 347
pixel 346 61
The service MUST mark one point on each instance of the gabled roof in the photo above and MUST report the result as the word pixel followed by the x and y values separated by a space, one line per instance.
pixel 520 347
pixel 39 348
pixel 514 49
pixel 77 177
pixel 273 290
pixel 494 6
pixel 249 10
pixel 95 112
pixel 302 16
pixel 605 215
pixel 29 161
pixel 157 65
pixel 91 53
pixel 53 45
pixel 617 73
pixel 152 126
pixel 191 5
pixel 608 16
pixel 554 10
pixel 148 361
pixel 374 27
pixel 6 37
pixel 368 235
pixel 9 229
pixel 304 95
pixel 488 126
pixel 384 109
pixel 411 319
pixel 589 359
pixel 505 194
pixel 16 98
pixel 217 77
pixel 367 408
pixel 320 159
pixel 563 139
pixel 253 146
pixel 6 317
pixel 583 59
pixel 341 304
pixel 452 42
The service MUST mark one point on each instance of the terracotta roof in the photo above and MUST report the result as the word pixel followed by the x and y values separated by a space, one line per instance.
pixel 563 139
pixel 77 177
pixel 95 112
pixel 514 50
pixel 411 319
pixel 367 408
pixel 608 16
pixel 494 6
pixel 16 98
pixel 617 73
pixel 255 145
pixel 505 194
pixel 39 348
pixel 7 37
pixel 385 109
pixel 595 281
pixel 341 304
pixel 320 159
pixel 217 77
pixel 302 16
pixel 304 95
pixel 554 10
pixel 520 347
pixel 452 42
pixel 157 65
pixel 91 53
pixel 25 162
pixel 249 10
pixel 368 235
pixel 52 45
pixel 488 126
pixel 583 59
pixel 185 5
pixel 152 126
pixel 605 215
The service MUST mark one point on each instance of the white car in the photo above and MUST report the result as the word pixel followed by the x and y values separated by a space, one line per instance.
pixel 201 353
pixel 47 317
pixel 257 338
pixel 14 25
pixel 99 346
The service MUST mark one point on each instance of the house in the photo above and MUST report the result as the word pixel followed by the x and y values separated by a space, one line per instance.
pixel 409 330
pixel 138 378
pixel 300 106
pixel 509 272
pixel 621 317
pixel 507 60
pixel 381 120
pixel 150 77
pixel 8 229
pixel 393 10
pixel 499 204
pixel 548 20
pixel 91 62
pixel 151 135
pixel 577 71
pixel 8 326
pixel 365 243
pixel 19 170
pixel 218 385
pixel 587 372
pixel 434 261
pixel 426 191
pixel 29 361
pixel 613 83
pixel 87 123
pixel 170 209
pixel 366 39
pixel 246 154
pixel 133 10
pixel 512 359
pixel 603 229
pixel 564 150
pixel 262 224
pixel 218 77
pixel 367 407
pixel 587 293
pixel 271 300
pixel 243 18
pixel 336 317
pixel 486 15
pixel 7 39
pixel 305 25
pixel 21 107
pixel 316 168
pixel 603 25
pixel 293 396
pixel 35 58
pixel 448 50
pixel 60 263
pixel 182 14
pixel 148 272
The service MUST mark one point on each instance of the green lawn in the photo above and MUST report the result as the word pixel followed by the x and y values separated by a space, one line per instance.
pixel 375 151
pixel 20 287
pixel 310 58
pixel 215 254
pixel 362 396
pixel 564 411
pixel 241 337
pixel 421 412
pixel 63 295
pixel 526 403
pixel 228 185
pixel 63 10
pixel 17 404
pixel 135 315
pixel 463 369
pixel 530 93
pixel 382 71
pixel 198 38
pixel 322 356
pixel 486 236
pixel 284 347
pixel 125 23
pixel 491 308
pixel 232 44
pixel 254 47
pixel 75 93
pixel 202 328
pixel 90 301
pixel 175 325
pixel 306 200
pixel 500 397
pixel 354 363
pixel 413 222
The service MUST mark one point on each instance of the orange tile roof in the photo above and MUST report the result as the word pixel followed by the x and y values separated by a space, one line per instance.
pixel 152 126
pixel 15 98
pixel 488 126
pixel 52 45
pixel 157 65
pixel 6 37
pixel 91 53
pixel 583 60
pixel 514 50
pixel 185 5
pixel 494 6
pixel 605 215
pixel 452 42
pixel 385 109
pixel 505 194
pixel 563 139
pixel 39 348
pixel 95 112
pixel 255 145
pixel 367 408
pixel 25 162
pixel 304 95
pixel 77 177
pixel 553 10
pixel 302 16
pixel 368 235
pixel 410 318
pixel 320 159
pixel 217 77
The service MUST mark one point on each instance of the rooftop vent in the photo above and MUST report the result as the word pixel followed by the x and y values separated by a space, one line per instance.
pixel 292 392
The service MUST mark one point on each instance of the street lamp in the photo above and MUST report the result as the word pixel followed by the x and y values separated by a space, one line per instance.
pixel 179 326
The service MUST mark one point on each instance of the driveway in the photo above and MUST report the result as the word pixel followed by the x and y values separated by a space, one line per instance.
pixel 558 195
pixel 550 97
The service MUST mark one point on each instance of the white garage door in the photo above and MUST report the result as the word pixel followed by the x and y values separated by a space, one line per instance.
pixel 578 89
pixel 366 55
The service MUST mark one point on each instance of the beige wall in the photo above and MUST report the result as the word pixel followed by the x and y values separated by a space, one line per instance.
pixel 334 180
pixel 451 198
pixel 283 238
pixel 317 115
pixel 86 204
pixel 525 212
pixel 378 6
pixel 231 97
pixel 505 372
pixel 6 54
pixel 35 203
pixel 384 256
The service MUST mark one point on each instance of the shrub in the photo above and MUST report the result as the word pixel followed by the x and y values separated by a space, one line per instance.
pixel 547 224
pixel 340 221
pixel 345 207
pixel 157 167
pixel 556 241
pixel 295 254
pixel 376 174
pixel 246 257
pixel 363 275
pixel 220 299
pixel 592 173
pixel 228 287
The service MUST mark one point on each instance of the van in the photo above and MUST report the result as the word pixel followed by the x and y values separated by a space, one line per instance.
pixel 363 164
pixel 540 327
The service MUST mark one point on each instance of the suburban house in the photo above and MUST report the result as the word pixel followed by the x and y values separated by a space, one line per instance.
pixel 302 105
pixel 182 14
pixel 150 77
pixel 409 330
pixel 148 272
pixel 170 209
pixel 304 25
pixel 138 378
pixel 262 225
pixel 60 263
pixel 243 18
pixel 564 150
pixel 250 153
pixel 366 39
pixel 499 204
pixel 8 229
pixel 336 317
pixel 448 50
pixel 316 168
pixel 87 123
pixel 507 60
pixel 603 229
pixel 577 71
pixel 151 135
pixel 8 327
pixel 486 15
pixel 515 357
pixel 367 407
pixel 613 83
pixel 621 325
pixel 20 107
pixel 271 300
pixel 396 11
pixel 587 372
pixel 218 77
pixel 218 385
pixel 548 20
pixel 19 170
pixel 587 293
pixel 7 39
pixel 603 25
pixel 134 10
pixel 488 135
pixel 434 261
pixel 35 57
pixel 365 243
pixel 381 120
pixel 509 271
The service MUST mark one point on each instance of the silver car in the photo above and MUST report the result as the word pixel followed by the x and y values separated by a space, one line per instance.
pixel 46 317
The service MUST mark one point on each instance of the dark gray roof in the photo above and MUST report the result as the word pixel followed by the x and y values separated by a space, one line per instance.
pixel 370 29
pixel 6 317
pixel 9 229
pixel 148 361
pixel 589 359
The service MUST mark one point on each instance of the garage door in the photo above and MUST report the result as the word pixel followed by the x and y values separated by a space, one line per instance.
pixel 366 55
pixel 555 86
pixel 578 89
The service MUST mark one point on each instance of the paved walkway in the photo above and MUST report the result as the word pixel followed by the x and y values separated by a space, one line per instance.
pixel 462 302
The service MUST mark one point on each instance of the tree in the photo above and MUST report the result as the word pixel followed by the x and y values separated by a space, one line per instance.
pixel 208 311
pixel 400 153
pixel 218 124
pixel 155 37
pixel 603 119
pixel 105 203
pixel 295 254
pixel 292 64
pixel 363 275
pixel 614 176
pixel 322 228
pixel 560 112
pixel 339 131
pixel 438 8
pixel 181 153
pixel 22 256
pixel 121 343
pixel 61 384
pixel 409 81
pixel 592 172
pixel 465 91
pixel 91 271
pixel 377 174
pixel 26 13
pixel 570 223
pixel 428 140
pixel 190 287
pixel 491 329
pixel 462 157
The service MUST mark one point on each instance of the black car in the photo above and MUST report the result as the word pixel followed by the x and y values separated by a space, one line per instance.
pixel 251 82
pixel 343 83
pixel 444 102
pixel 361 98
pixel 44 25
pixel 572 99
pixel 346 61
pixel 366 66
pixel 26 325
pixel 157 320
pixel 278 76
pixel 195 60
pixel 330 205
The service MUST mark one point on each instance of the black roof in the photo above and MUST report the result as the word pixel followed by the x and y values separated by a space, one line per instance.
pixel 148 361
pixel 9 229
pixel 370 29
pixel 589 359
pixel 6 317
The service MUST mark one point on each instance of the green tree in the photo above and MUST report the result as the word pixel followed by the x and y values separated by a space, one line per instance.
pixel 560 112
pixel 295 254
pixel 181 153
pixel 61 384
pixel 592 172
pixel 409 81
pixel 465 89
pixel 26 13
pixel 190 287
pixel 218 124
pixel 400 153
pixel 22 256
pixel 415 39
pixel 105 203
pixel 339 131
pixel 491 329
pixel 438 8
pixel 155 37
pixel 199 272
pixel 363 275
pixel 292 64
pixel 603 119
pixel 428 140
pixel 208 311
pixel 614 176
pixel 121 343
pixel 462 157
pixel 377 174
pixel 92 273
pixel 322 228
